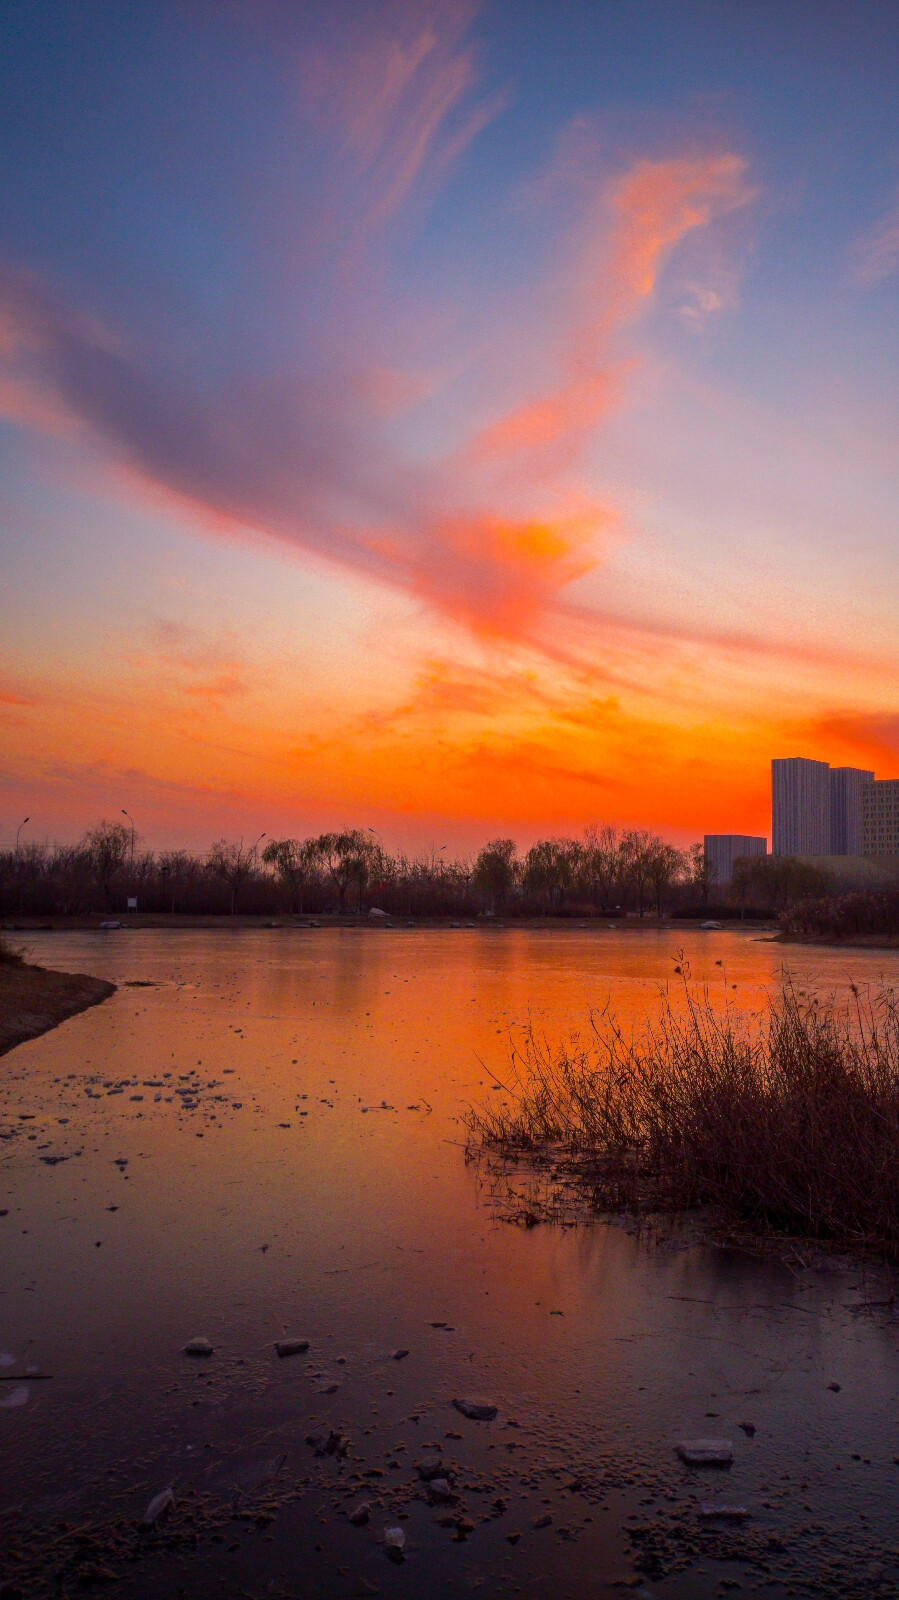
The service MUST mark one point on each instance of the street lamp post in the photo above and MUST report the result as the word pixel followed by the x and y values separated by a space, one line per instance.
pixel 21 888
pixel 131 862
pixel 256 846
pixel 131 820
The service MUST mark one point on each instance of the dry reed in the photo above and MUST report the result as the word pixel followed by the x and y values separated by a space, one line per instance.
pixel 787 1119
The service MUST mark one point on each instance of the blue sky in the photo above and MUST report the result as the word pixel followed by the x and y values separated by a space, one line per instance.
pixel 390 393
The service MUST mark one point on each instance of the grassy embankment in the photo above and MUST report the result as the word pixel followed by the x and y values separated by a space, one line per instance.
pixel 785 1122
pixel 34 1000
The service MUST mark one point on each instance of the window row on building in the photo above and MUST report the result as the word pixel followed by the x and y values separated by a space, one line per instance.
pixel 819 810
pixel 816 810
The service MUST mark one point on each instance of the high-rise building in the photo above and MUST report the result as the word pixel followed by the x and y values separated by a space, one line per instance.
pixel 723 849
pixel 846 787
pixel 816 808
pixel 800 807
pixel 880 818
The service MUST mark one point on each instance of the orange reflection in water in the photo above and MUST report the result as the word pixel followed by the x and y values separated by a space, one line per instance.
pixel 358 1224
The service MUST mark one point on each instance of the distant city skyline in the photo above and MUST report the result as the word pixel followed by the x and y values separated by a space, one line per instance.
pixel 452 419
pixel 819 810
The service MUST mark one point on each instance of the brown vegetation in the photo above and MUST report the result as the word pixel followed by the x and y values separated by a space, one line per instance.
pixel 603 872
pixel 787 1120
pixel 34 1000
pixel 845 917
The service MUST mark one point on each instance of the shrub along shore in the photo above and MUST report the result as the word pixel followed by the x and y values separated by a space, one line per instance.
pixel 845 919
pixel 784 1122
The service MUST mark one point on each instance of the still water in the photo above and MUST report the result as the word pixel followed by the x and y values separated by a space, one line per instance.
pixel 263 1141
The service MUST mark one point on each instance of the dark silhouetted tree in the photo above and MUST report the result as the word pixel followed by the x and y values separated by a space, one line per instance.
pixel 496 872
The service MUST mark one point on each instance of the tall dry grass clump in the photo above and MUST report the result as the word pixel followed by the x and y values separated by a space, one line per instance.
pixel 787 1119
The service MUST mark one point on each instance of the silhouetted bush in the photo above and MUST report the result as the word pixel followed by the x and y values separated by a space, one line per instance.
pixel 605 872
pixel 786 1120
pixel 845 916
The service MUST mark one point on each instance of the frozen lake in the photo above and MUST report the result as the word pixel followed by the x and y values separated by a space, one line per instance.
pixel 265 1142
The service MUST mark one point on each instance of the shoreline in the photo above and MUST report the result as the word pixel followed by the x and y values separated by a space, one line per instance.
pixel 294 922
pixel 34 1000
pixel 861 941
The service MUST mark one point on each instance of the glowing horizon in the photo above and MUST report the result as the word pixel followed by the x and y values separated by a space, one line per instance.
pixel 413 419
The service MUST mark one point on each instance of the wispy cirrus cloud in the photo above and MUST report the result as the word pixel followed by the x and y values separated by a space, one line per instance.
pixel 310 448
pixel 875 256
pixel 635 222
pixel 397 102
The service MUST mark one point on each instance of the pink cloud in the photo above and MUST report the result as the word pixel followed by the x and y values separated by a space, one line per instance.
pixel 394 100
pixel 491 534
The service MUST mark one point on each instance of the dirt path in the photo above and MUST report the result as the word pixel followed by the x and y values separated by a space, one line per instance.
pixel 33 1000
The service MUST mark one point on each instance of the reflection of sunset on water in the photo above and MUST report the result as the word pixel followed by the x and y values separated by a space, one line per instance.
pixel 309 1180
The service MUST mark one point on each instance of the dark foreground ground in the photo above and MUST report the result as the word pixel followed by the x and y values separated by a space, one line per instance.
pixel 33 1000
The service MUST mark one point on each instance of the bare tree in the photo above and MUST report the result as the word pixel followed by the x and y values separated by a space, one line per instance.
pixel 294 861
pixel 496 871
pixel 176 868
pixel 665 863
pixel 636 852
pixel 107 846
pixel 232 861
pixel 699 872
pixel 346 857
pixel 549 868
pixel 601 863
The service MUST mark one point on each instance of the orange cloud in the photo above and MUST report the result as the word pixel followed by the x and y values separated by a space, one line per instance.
pixel 497 574
pixel 868 737
pixel 656 204
pixel 652 207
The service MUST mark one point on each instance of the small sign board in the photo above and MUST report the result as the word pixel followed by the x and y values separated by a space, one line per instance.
pixel 132 902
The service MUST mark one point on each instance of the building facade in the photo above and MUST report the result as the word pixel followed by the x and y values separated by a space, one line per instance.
pixel 816 809
pixel 847 785
pixel 723 849
pixel 880 818
pixel 800 807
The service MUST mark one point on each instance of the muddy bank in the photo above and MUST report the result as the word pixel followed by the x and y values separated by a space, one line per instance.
pixel 861 941
pixel 33 1000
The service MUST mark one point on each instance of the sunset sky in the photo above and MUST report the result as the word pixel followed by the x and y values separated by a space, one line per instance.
pixel 448 419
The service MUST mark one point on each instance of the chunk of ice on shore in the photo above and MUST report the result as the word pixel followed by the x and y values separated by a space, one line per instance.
pixel 706 1452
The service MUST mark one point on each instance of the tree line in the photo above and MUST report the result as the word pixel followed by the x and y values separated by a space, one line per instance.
pixel 606 869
